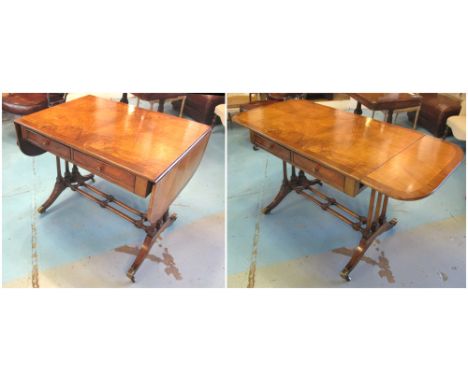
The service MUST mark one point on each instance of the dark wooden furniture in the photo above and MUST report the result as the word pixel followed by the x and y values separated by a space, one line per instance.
pixel 152 97
pixel 385 101
pixel 144 152
pixel 349 152
pixel 435 110
pixel 201 107
pixel 27 103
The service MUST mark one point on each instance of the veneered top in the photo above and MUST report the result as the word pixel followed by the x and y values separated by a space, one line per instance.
pixel 144 142
pixel 402 163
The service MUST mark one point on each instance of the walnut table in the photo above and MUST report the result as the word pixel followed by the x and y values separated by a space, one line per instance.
pixel 350 153
pixel 386 102
pixel 147 153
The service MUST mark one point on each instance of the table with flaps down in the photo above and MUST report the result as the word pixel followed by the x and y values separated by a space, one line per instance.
pixel 147 153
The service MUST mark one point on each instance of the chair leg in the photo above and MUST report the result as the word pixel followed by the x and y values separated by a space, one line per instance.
pixel 415 124
pixel 446 131
pixel 182 105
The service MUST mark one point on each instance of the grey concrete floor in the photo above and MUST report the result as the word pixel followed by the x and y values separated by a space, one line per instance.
pixel 77 244
pixel 299 245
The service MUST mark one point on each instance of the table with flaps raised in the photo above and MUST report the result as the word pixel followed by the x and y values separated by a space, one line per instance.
pixel 349 153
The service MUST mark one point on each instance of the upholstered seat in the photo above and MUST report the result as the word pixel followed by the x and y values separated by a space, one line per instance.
pixel 220 111
pixel 156 96
pixel 435 109
pixel 27 103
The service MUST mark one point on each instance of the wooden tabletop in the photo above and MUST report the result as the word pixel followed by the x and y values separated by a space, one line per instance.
pixel 387 101
pixel 402 163
pixel 143 142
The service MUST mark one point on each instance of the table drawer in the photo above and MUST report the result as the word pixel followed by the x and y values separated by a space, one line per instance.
pixel 319 171
pixel 105 170
pixel 272 147
pixel 46 143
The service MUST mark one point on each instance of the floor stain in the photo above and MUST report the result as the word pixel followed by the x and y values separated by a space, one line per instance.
pixel 443 276
pixel 382 263
pixel 171 268
pixel 167 259
pixel 34 255
pixel 253 260
pixel 385 270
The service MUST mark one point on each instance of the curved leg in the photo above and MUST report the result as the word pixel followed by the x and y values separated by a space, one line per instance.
pixel 363 246
pixel 284 190
pixel 58 189
pixel 142 253
pixel 60 185
pixel 150 238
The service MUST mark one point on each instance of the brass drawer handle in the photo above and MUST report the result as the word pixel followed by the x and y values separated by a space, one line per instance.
pixel 46 142
pixel 101 168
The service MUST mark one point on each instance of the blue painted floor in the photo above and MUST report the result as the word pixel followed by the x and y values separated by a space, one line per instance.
pixel 299 245
pixel 77 244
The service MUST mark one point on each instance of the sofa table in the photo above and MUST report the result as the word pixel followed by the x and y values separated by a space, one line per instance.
pixel 386 102
pixel 349 153
pixel 144 152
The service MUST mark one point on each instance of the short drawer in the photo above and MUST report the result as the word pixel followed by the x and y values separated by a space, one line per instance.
pixel 272 147
pixel 319 171
pixel 105 170
pixel 46 143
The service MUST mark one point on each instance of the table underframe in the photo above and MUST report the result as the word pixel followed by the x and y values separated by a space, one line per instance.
pixel 370 226
pixel 77 182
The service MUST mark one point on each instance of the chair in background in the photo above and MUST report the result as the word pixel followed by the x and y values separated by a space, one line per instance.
pixel 436 108
pixel 200 106
pixel 27 103
pixel 457 123
pixel 219 113
pixel 416 109
pixel 161 99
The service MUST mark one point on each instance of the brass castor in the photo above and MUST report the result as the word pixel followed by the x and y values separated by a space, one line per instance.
pixel 41 209
pixel 131 275
pixel 255 148
pixel 345 275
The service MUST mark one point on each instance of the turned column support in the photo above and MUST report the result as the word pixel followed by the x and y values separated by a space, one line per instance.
pixel 370 226
pixel 376 225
